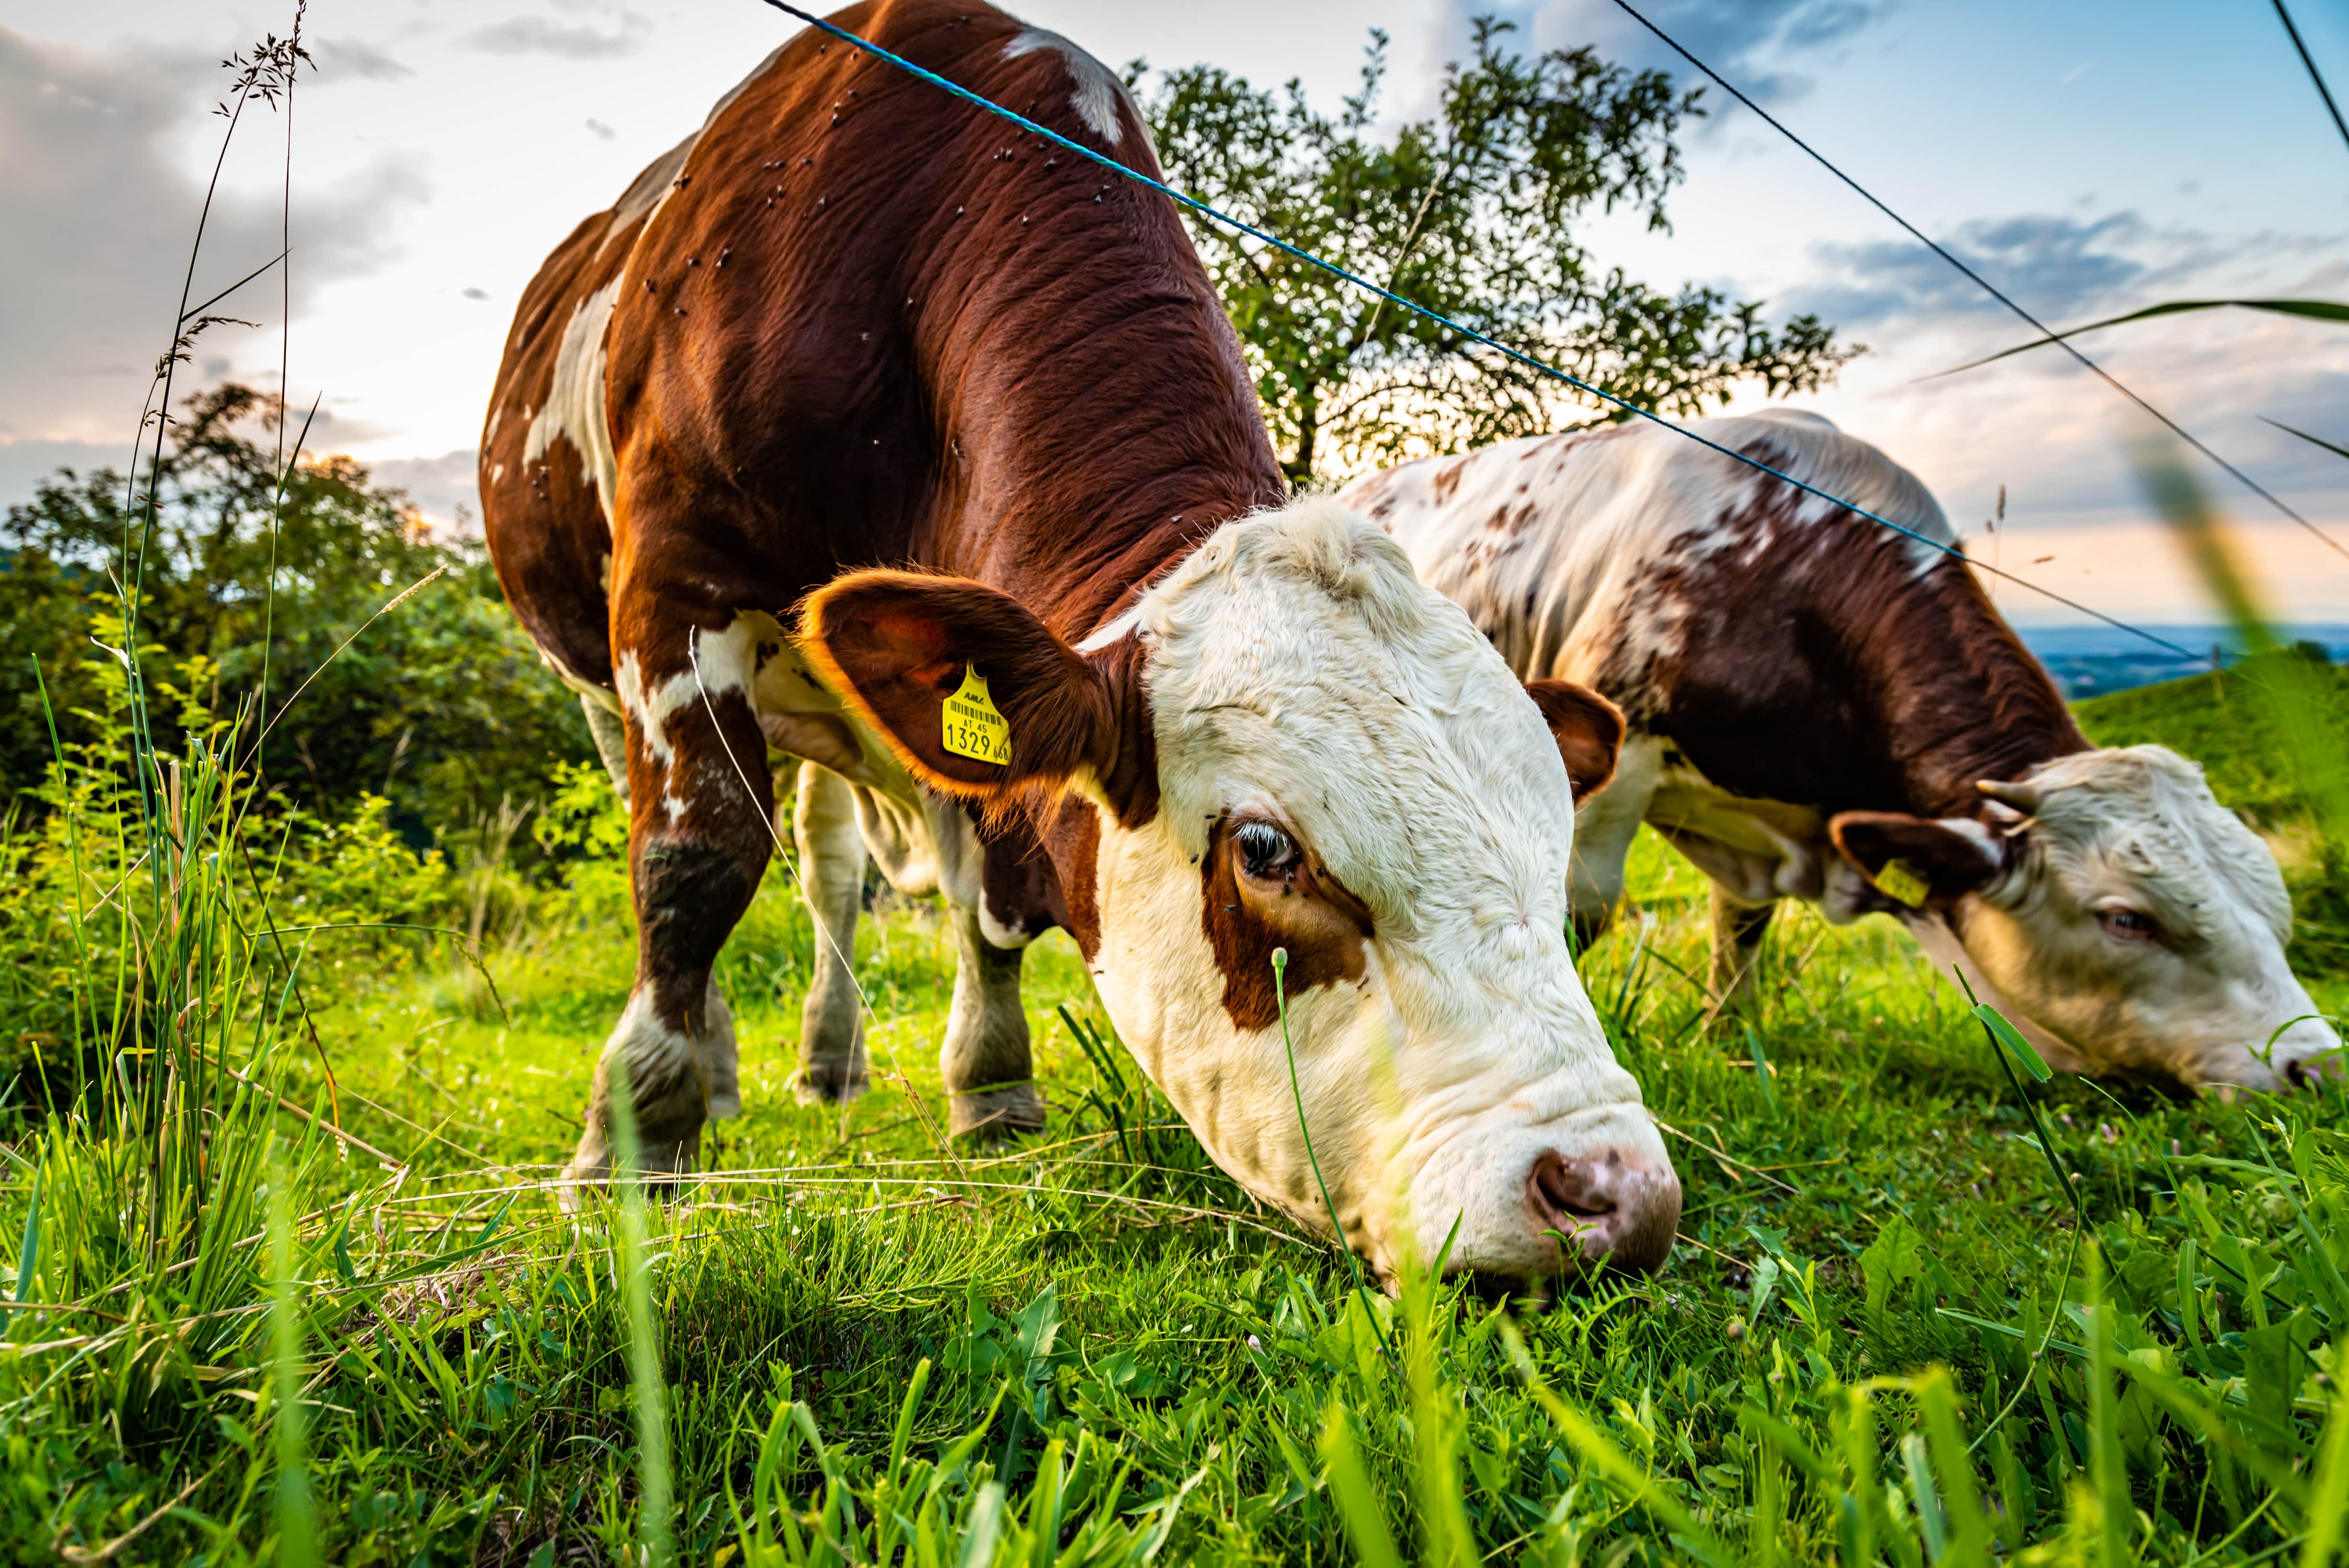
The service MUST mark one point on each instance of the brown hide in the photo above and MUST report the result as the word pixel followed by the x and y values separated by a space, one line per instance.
pixel 1837 674
pixel 859 324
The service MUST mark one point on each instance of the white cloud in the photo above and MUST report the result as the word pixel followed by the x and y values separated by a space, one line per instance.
pixel 444 488
pixel 100 217
pixel 562 41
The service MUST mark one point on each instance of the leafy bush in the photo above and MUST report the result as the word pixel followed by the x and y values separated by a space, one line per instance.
pixel 440 707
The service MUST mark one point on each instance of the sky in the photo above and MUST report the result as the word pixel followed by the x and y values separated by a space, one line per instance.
pixel 2090 157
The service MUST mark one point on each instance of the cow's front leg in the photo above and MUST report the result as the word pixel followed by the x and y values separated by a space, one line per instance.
pixel 1738 928
pixel 832 875
pixel 988 1074
pixel 1605 824
pixel 698 837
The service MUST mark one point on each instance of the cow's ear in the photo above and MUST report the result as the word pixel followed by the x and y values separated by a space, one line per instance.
pixel 1915 860
pixel 1589 731
pixel 971 690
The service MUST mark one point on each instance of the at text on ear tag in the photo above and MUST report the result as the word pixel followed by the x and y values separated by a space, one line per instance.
pixel 1899 880
pixel 970 724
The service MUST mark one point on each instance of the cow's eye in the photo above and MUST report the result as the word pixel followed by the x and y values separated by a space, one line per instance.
pixel 2128 926
pixel 1265 852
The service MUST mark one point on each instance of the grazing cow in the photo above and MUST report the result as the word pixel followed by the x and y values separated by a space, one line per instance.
pixel 971 405
pixel 1822 709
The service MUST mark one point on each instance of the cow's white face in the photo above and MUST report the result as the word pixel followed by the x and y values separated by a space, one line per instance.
pixel 2124 919
pixel 1290 744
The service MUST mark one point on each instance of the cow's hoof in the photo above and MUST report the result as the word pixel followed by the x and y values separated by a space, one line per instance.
pixel 993 1115
pixel 574 1183
pixel 669 1161
pixel 819 1086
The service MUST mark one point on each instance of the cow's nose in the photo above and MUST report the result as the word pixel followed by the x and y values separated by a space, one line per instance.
pixel 2311 1067
pixel 1619 1212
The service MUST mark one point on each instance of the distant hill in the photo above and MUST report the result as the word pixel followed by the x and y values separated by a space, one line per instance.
pixel 2221 722
pixel 2090 661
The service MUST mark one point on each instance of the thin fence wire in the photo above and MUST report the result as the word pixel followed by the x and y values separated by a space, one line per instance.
pixel 1538 366
pixel 2315 75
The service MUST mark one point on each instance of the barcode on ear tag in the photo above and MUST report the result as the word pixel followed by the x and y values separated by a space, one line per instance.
pixel 1899 880
pixel 970 724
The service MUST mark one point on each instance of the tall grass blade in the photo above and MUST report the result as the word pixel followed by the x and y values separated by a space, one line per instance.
pixel 2305 309
pixel 297 1527
pixel 644 1345
pixel 2317 750
pixel 2329 1502
pixel 2107 1467
pixel 985 1526
pixel 1860 1507
pixel 28 1251
pixel 1358 1504
pixel 1446 1537
pixel 1305 1131
pixel 1961 1499
pixel 2312 440
pixel 2006 1034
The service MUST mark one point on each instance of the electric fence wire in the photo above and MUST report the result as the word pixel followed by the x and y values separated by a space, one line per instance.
pixel 2314 74
pixel 2049 334
pixel 1540 367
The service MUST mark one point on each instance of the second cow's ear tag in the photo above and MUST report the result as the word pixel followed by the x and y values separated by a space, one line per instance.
pixel 1899 880
pixel 970 724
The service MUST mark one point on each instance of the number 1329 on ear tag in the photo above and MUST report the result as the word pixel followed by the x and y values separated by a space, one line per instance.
pixel 970 724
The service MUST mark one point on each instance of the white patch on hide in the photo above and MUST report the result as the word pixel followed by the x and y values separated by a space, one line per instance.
pixel 1297 669
pixel 726 662
pixel 651 1049
pixel 1098 93
pixel 1113 628
pixel 2137 828
pixel 1545 540
pixel 575 399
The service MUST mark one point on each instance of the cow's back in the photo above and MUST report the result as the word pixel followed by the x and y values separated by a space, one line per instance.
pixel 547 473
pixel 1793 650
pixel 853 322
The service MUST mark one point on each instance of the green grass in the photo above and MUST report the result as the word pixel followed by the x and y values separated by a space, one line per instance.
pixel 1092 1347
pixel 259 1314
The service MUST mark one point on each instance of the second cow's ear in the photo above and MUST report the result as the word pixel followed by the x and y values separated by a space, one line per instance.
pixel 1588 729
pixel 971 690
pixel 1917 859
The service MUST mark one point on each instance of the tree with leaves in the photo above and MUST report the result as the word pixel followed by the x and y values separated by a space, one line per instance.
pixel 1472 213
pixel 440 704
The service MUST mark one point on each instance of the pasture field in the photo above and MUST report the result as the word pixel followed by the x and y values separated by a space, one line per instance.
pixel 1888 1335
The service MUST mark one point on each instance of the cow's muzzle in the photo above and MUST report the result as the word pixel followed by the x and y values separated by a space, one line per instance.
pixel 1615 1211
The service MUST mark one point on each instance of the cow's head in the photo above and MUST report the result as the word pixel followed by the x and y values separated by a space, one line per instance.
pixel 1290 743
pixel 2129 922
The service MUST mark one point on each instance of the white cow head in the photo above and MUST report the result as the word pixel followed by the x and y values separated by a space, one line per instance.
pixel 2120 915
pixel 1290 743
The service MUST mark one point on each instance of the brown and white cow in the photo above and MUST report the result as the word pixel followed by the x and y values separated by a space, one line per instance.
pixel 1813 697
pixel 859 396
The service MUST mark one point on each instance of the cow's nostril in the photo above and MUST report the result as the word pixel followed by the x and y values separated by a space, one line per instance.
pixel 1611 1210
pixel 1566 1191
pixel 2307 1072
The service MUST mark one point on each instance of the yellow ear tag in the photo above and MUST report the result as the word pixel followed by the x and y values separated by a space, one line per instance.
pixel 1899 880
pixel 970 724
